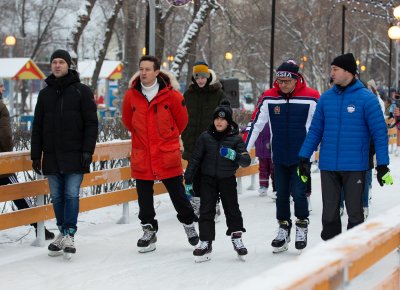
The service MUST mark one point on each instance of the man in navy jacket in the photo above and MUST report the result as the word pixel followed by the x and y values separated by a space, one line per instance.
pixel 347 116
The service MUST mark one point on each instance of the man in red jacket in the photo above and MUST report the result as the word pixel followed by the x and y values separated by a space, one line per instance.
pixel 155 113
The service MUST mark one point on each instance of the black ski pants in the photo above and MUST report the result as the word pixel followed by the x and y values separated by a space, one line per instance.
pixel 211 189
pixel 177 194
pixel 332 182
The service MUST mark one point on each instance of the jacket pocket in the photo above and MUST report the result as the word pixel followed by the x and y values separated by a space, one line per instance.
pixel 171 157
pixel 138 160
pixel 165 123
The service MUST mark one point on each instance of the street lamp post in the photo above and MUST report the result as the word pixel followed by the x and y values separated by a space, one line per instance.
pixel 229 57
pixel 394 34
pixel 10 41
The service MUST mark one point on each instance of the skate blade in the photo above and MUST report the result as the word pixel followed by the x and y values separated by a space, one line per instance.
pixel 280 249
pixel 55 253
pixel 242 258
pixel 149 248
pixel 67 256
pixel 204 258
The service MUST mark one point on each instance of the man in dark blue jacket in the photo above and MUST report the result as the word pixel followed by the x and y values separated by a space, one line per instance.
pixel 347 116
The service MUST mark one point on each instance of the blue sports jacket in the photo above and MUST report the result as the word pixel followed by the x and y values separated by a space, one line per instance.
pixel 343 122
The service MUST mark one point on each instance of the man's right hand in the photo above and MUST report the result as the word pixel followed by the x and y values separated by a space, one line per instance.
pixel 304 169
pixel 37 166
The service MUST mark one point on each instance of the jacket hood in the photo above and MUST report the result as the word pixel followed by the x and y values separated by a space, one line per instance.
pixel 164 77
pixel 65 81
pixel 234 130
pixel 212 84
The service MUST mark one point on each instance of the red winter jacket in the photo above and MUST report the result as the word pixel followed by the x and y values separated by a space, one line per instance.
pixel 155 128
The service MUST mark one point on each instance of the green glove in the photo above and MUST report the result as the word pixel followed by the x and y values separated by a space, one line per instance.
pixel 303 170
pixel 383 175
pixel 189 191
pixel 227 153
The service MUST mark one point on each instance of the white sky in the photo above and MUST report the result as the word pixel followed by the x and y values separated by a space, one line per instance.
pixel 107 257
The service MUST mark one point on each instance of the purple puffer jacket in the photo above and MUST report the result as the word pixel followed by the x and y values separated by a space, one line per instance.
pixel 263 143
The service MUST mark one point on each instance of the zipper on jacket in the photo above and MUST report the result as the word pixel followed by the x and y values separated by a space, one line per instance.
pixel 287 127
pixel 340 127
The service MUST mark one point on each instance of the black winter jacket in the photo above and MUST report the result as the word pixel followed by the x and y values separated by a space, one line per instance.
pixel 207 154
pixel 65 125
pixel 200 103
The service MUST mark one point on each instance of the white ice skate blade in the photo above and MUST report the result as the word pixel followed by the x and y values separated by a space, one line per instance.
pixel 280 249
pixel 300 251
pixel 204 258
pixel 242 258
pixel 149 248
pixel 67 256
pixel 55 253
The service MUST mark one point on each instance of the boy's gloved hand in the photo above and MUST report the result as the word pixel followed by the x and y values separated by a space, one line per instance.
pixel 189 191
pixel 304 169
pixel 227 153
pixel 383 175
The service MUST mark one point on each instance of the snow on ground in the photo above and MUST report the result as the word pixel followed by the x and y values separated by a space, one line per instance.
pixel 107 257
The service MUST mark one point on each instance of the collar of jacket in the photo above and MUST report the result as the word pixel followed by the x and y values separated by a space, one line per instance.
pixel 354 85
pixel 162 80
pixel 63 82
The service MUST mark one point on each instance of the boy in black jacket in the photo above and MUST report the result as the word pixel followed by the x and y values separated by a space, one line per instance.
pixel 219 151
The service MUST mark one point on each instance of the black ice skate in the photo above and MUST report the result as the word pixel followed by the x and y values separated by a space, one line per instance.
pixel 203 252
pixel 147 242
pixel 191 233
pixel 280 243
pixel 301 234
pixel 56 247
pixel 237 242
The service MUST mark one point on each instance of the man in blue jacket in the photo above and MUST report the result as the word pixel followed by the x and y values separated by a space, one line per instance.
pixel 347 116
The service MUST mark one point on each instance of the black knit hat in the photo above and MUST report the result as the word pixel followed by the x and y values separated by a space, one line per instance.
pixel 60 53
pixel 288 69
pixel 224 110
pixel 346 62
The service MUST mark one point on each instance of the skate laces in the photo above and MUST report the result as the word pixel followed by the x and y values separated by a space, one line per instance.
pixel 301 232
pixel 147 235
pixel 238 243
pixel 190 230
pixel 68 241
pixel 282 234
pixel 203 245
pixel 59 240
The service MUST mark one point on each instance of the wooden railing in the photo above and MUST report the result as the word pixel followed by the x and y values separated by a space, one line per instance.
pixel 335 264
pixel 14 162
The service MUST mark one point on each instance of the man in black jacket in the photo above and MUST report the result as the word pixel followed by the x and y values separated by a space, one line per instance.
pixel 64 134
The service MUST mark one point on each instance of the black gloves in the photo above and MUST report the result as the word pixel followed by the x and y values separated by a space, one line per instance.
pixel 304 169
pixel 86 159
pixel 383 175
pixel 37 166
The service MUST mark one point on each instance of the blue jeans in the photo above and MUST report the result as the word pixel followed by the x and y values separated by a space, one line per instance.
pixel 288 183
pixel 64 193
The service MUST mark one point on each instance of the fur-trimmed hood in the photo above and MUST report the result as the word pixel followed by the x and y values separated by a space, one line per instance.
pixel 213 83
pixel 165 76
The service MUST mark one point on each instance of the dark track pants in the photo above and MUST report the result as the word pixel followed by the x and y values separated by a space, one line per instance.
pixel 332 182
pixel 177 194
